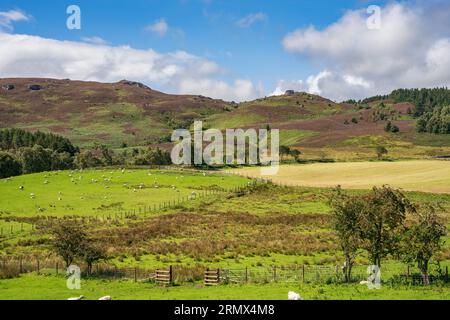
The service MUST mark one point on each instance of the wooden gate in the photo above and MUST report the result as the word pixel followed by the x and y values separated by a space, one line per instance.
pixel 164 277
pixel 212 277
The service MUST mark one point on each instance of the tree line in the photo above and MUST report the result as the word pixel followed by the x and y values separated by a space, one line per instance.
pixel 23 152
pixel 425 99
pixel 436 121
pixel 384 222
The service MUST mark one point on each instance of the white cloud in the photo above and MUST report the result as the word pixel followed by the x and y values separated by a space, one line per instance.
pixel 250 19
pixel 94 40
pixel 159 27
pixel 175 72
pixel 411 49
pixel 7 18
pixel 240 90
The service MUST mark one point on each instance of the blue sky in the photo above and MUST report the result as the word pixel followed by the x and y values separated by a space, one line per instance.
pixel 221 32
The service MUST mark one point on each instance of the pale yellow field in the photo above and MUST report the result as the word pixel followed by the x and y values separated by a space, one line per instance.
pixel 421 175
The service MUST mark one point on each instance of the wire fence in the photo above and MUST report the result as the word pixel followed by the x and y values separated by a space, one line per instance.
pixel 12 226
pixel 11 267
pixel 330 274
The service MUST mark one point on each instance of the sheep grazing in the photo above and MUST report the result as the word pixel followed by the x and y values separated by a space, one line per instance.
pixel 32 195
pixel 21 188
pixel 105 298
pixel 76 298
pixel 364 282
pixel 294 296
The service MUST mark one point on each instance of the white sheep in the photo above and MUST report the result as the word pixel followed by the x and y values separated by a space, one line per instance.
pixel 294 296
pixel 76 298
pixel 105 298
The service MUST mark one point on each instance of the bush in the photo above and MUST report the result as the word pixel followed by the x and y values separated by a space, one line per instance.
pixel 9 166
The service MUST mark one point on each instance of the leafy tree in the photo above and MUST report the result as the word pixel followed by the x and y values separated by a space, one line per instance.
pixel 284 151
pixel 36 159
pixel 382 222
pixel 436 121
pixel 346 219
pixel 68 241
pixel 295 153
pixel 423 239
pixel 391 127
pixel 381 151
pixel 91 252
pixel 9 166
pixel 88 159
pixel 61 161
pixel 153 157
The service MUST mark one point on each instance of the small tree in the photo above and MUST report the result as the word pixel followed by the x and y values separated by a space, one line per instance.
pixel 9 166
pixel 381 151
pixel 68 241
pixel 284 151
pixel 382 222
pixel 423 239
pixel 346 216
pixel 91 253
pixel 295 153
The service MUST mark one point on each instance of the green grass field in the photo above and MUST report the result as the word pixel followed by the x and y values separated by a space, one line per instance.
pixel 34 287
pixel 422 175
pixel 97 192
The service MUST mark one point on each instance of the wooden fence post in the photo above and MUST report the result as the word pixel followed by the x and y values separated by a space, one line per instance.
pixel 446 274
pixel 303 273
pixel 170 274
pixel 38 267
pixel 57 268
pixel 246 274
pixel 135 274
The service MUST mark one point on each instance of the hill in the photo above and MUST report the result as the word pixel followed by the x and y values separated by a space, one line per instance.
pixel 111 113
pixel 128 113
pixel 305 120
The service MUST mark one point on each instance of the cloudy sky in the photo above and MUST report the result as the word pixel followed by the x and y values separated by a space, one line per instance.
pixel 233 49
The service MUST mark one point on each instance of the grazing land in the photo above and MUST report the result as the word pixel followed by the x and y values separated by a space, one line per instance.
pixel 103 191
pixel 54 288
pixel 423 175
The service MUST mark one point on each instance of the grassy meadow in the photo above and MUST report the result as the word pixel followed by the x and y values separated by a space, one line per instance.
pixel 54 288
pixel 103 191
